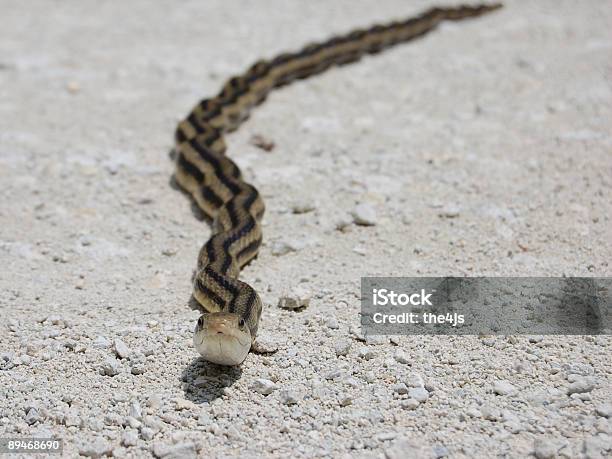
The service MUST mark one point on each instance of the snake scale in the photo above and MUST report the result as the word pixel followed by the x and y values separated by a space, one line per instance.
pixel 227 329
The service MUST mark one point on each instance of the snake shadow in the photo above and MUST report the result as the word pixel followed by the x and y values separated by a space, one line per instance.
pixel 204 382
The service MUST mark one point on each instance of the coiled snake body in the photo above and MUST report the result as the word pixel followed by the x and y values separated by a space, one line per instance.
pixel 225 333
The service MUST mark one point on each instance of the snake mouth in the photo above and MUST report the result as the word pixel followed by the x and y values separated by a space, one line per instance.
pixel 220 339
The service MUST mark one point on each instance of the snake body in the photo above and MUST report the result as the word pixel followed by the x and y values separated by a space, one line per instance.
pixel 228 328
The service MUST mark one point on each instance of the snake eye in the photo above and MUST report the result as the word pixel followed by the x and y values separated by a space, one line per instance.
pixel 200 322
pixel 241 323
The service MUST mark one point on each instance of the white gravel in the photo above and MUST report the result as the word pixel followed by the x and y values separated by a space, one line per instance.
pixel 482 149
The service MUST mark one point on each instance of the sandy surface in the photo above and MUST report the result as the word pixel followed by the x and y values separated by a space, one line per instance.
pixel 484 149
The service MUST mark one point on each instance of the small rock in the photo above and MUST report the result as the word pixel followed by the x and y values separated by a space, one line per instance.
pixel 180 450
pixel 503 388
pixel 72 419
pixel 491 414
pixel 154 401
pixel 544 449
pixel 400 388
pixel 297 298
pixel 420 394
pixel 415 380
pixel 129 438
pixel 580 386
pixel 147 433
pixel 133 422
pixel 449 211
pixel 101 342
pixel 332 323
pixel 288 397
pixel 410 404
pixel 364 215
pixel 376 340
pixel 302 207
pixel 110 368
pixel 594 447
pixel 604 409
pixel 440 451
pixel 366 353
pixel 401 357
pixel 204 419
pixel 346 400
pixel 263 386
pixel 280 248
pixel 32 416
pixel 121 349
pixel 342 347
pixel 73 87
pixel 96 448
pixel 262 143
pixel 343 222
pixel 181 404
pixel 408 448
pixel 135 410
pixel 334 375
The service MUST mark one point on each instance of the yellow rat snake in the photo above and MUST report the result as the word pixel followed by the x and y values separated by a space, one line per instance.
pixel 225 333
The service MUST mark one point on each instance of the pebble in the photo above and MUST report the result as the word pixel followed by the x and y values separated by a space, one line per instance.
pixel 263 386
pixel 364 215
pixel 366 353
pixel 415 380
pixel 181 404
pixel 97 448
pixel 490 414
pixel 503 388
pixel 32 416
pixel 346 400
pixel 420 394
pixel 400 388
pixel 110 368
pixel 580 386
pixel 342 347
pixel 133 422
pixel 401 357
pixel 343 222
pixel 135 410
pixel 410 404
pixel 179 450
pixel 408 448
pixel 72 419
pixel 376 340
pixel 154 401
pixel 121 349
pixel 147 433
pixel 261 142
pixel 302 207
pixel 129 438
pixel 544 449
pixel 297 298
pixel 101 342
pixel 288 397
pixel 450 211
pixel 332 323
pixel 280 248
pixel 440 451
pixel 604 409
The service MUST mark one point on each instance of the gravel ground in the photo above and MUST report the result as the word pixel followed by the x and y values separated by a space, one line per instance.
pixel 482 149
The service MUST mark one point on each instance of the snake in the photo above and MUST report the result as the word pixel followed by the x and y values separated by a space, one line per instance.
pixel 231 309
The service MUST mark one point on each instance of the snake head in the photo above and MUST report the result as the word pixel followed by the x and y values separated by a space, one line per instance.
pixel 222 337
